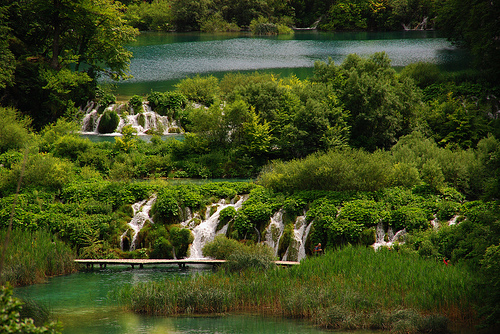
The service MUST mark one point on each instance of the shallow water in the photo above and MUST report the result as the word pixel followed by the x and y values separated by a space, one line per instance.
pixel 162 59
pixel 84 304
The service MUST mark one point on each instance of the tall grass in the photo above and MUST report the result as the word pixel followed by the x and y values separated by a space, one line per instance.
pixel 31 257
pixel 350 288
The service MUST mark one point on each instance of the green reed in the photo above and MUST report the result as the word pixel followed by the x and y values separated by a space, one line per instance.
pixel 31 257
pixel 354 287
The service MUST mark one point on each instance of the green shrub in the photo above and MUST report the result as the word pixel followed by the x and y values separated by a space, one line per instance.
pixel 136 103
pixel 368 237
pixel 215 23
pixel 342 231
pixel 181 238
pixel 108 122
pixel 345 16
pixel 168 103
pixel 162 249
pixel 221 247
pixel 225 217
pixel 12 322
pixel 105 100
pixel 284 30
pixel 285 240
pixel 242 226
pixel 71 147
pixel 10 158
pixel 45 171
pixel 256 257
pixel 153 15
pixel 447 209
pixel 424 74
pixel 411 218
pixel 365 212
pixel 13 129
pixel 166 208
pixel 204 90
pixel 336 170
pixel 262 26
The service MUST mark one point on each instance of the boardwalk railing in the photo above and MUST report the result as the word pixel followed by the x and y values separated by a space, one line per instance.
pixel 181 263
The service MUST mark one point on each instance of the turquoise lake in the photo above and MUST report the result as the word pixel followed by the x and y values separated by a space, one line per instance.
pixel 162 59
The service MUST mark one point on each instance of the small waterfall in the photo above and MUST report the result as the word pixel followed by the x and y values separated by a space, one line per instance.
pixel 296 250
pixel 435 223
pixel 145 122
pixel 206 230
pixel 141 216
pixel 302 249
pixel 274 231
pixel 90 122
pixel 391 237
pixel 142 122
pixel 453 220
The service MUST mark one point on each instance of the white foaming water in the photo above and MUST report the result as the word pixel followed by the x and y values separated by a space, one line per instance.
pixel 141 216
pixel 296 250
pixel 302 248
pixel 206 230
pixel 274 231
pixel 149 119
pixel 453 220
pixel 435 223
pixel 380 233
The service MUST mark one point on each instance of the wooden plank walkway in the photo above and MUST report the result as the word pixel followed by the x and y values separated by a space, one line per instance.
pixel 181 263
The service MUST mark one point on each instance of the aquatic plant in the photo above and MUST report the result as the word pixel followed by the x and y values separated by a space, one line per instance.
pixel 351 288
pixel 33 256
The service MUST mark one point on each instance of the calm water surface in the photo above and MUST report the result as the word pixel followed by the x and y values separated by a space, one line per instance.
pixel 162 59
pixel 83 303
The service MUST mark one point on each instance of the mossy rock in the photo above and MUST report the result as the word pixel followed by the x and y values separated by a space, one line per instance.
pixel 108 123
pixel 141 119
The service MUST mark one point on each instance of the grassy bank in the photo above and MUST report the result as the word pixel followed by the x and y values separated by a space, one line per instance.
pixel 31 257
pixel 352 288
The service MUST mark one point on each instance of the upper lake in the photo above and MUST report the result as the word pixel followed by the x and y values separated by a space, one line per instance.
pixel 160 60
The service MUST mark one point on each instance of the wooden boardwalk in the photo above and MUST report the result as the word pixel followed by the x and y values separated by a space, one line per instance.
pixel 181 263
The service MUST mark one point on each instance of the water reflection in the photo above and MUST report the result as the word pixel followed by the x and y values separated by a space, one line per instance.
pixel 84 303
pixel 161 60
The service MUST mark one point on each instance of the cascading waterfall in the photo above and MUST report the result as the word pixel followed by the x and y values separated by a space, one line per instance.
pixel 142 122
pixel 302 248
pixel 141 216
pixel 296 250
pixel 391 237
pixel 435 223
pixel 453 220
pixel 206 230
pixel 274 231
pixel 90 122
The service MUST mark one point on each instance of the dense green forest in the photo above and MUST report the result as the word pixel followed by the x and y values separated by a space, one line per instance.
pixel 356 145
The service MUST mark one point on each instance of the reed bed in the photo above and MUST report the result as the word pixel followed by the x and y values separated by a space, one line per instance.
pixel 31 257
pixel 351 288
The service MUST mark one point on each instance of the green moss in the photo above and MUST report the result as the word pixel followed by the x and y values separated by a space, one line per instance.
pixel 109 121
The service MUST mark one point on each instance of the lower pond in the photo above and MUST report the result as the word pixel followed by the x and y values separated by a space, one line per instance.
pixel 84 304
